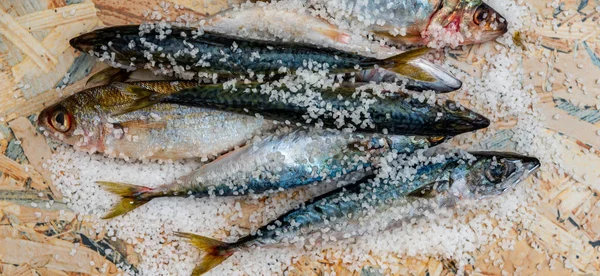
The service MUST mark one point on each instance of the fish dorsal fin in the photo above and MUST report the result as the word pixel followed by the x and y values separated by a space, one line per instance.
pixel 429 190
pixel 108 75
pixel 141 97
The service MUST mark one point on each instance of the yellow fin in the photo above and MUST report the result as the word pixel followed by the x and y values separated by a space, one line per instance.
pixel 108 75
pixel 216 251
pixel 132 196
pixel 401 65
pixel 414 72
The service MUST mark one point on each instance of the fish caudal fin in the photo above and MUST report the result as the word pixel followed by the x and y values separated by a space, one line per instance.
pixel 141 97
pixel 108 75
pixel 215 251
pixel 401 65
pixel 132 196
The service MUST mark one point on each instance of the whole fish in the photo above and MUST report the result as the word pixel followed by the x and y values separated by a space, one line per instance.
pixel 347 211
pixel 343 107
pixel 187 51
pixel 278 162
pixel 434 23
pixel 86 120
pixel 272 22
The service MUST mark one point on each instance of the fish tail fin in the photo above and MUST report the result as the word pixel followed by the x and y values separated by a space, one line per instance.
pixel 132 196
pixel 401 65
pixel 141 97
pixel 216 251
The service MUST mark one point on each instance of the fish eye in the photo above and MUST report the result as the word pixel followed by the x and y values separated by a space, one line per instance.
pixel 496 173
pixel 60 120
pixel 480 14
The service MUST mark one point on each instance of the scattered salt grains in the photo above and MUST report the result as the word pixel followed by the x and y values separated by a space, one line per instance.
pixel 445 233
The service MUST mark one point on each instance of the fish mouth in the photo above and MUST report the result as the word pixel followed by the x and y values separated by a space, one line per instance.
pixel 85 42
pixel 472 122
pixel 500 24
pixel 531 163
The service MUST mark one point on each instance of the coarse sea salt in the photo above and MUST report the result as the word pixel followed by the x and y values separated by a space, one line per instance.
pixel 445 233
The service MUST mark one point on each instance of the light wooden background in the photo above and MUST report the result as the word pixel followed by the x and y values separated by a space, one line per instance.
pixel 35 56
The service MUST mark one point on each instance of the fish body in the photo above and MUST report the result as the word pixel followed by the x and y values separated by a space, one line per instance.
pixel 347 211
pixel 434 23
pixel 271 22
pixel 187 51
pixel 86 121
pixel 295 160
pixel 276 163
pixel 397 113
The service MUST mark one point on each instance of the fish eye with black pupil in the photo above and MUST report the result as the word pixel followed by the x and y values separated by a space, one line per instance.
pixel 60 121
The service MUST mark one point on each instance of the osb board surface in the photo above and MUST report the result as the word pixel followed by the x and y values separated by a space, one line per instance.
pixel 35 56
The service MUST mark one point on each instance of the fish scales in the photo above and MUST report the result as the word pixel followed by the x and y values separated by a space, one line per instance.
pixel 397 113
pixel 276 163
pixel 208 52
pixel 435 23
pixel 162 131
pixel 270 22
pixel 410 14
pixel 360 208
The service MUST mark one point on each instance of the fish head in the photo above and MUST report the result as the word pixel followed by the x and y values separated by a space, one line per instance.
pixel 100 40
pixel 476 21
pixel 456 119
pixel 85 42
pixel 488 174
pixel 73 121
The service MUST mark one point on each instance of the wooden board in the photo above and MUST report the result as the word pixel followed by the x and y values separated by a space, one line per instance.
pixel 33 230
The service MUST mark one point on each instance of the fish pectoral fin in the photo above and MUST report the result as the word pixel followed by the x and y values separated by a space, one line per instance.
pixel 216 251
pixel 333 33
pixel 143 124
pixel 141 97
pixel 428 190
pixel 134 91
pixel 409 39
pixel 108 75
pixel 401 65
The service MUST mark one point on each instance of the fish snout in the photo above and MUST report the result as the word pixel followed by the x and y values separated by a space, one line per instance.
pixel 532 164
pixel 84 42
pixel 474 121
pixel 501 24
